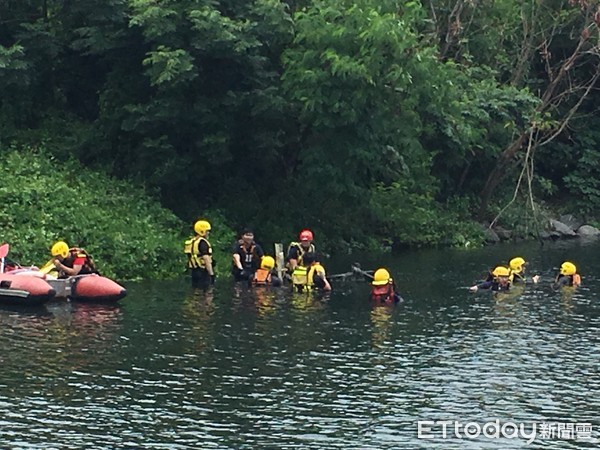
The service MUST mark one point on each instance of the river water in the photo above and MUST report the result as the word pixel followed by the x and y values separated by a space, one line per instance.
pixel 171 368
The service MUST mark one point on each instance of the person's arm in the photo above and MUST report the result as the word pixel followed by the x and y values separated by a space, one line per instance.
pixel 235 255
pixel 327 286
pixel 208 264
pixel 237 261
pixel 293 258
pixel 484 285
pixel 70 271
pixel 561 281
pixel 206 257
pixel 323 276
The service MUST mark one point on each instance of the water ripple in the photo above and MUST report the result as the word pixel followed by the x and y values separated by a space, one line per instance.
pixel 237 369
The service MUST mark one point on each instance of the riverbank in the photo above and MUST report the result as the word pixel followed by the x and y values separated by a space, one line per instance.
pixel 565 227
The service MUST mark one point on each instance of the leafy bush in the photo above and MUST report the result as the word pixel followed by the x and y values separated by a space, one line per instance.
pixel 127 232
pixel 416 220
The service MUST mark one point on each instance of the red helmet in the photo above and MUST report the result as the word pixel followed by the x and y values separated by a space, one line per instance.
pixel 306 235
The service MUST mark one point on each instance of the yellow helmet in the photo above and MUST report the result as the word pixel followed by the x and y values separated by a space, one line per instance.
pixel 267 262
pixel 501 271
pixel 60 248
pixel 201 227
pixel 381 277
pixel 516 264
pixel 568 268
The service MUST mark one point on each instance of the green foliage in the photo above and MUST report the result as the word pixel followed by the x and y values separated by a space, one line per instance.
pixel 286 114
pixel 476 123
pixel 167 65
pixel 414 219
pixel 583 183
pixel 127 232
pixel 12 65
pixel 358 75
pixel 568 170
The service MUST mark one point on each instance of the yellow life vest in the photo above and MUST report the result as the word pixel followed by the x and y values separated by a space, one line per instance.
pixel 191 248
pixel 516 277
pixel 315 269
pixel 303 278
pixel 300 277
pixel 301 250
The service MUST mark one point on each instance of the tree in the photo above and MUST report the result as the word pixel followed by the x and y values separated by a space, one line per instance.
pixel 571 74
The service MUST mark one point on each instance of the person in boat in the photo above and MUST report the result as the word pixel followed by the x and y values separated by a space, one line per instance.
pixel 499 279
pixel 567 276
pixel 247 255
pixel 383 287
pixel 199 256
pixel 266 274
pixel 72 261
pixel 297 250
pixel 310 275
pixel 517 269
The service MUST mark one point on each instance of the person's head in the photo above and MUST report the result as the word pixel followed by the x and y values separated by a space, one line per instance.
pixel 568 268
pixel 306 238
pixel 267 262
pixel 517 265
pixel 202 228
pixel 247 236
pixel 309 259
pixel 381 277
pixel 501 275
pixel 60 250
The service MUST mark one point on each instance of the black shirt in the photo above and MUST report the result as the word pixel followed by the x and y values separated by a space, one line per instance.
pixel 249 257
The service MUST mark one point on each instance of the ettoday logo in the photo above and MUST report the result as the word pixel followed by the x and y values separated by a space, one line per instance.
pixel 495 429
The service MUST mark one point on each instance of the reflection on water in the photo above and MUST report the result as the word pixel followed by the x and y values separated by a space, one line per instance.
pixel 234 367
pixel 381 320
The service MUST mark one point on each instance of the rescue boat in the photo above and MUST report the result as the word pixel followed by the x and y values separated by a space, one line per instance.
pixel 16 289
pixel 33 286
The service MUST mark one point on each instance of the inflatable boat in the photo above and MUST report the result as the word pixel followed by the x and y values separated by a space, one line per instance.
pixel 16 289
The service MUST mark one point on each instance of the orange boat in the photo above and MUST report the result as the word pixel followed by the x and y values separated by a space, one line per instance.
pixel 17 289
pixel 30 285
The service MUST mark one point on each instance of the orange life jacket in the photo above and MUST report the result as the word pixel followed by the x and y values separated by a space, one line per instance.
pixel 262 277
pixel 88 265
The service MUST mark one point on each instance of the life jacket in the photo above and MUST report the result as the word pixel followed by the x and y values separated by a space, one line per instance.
pixel 301 250
pixel 262 277
pixel 300 277
pixel 517 277
pixel 191 248
pixel 384 293
pixel 88 266
pixel 249 255
pixel 303 278
pixel 315 269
